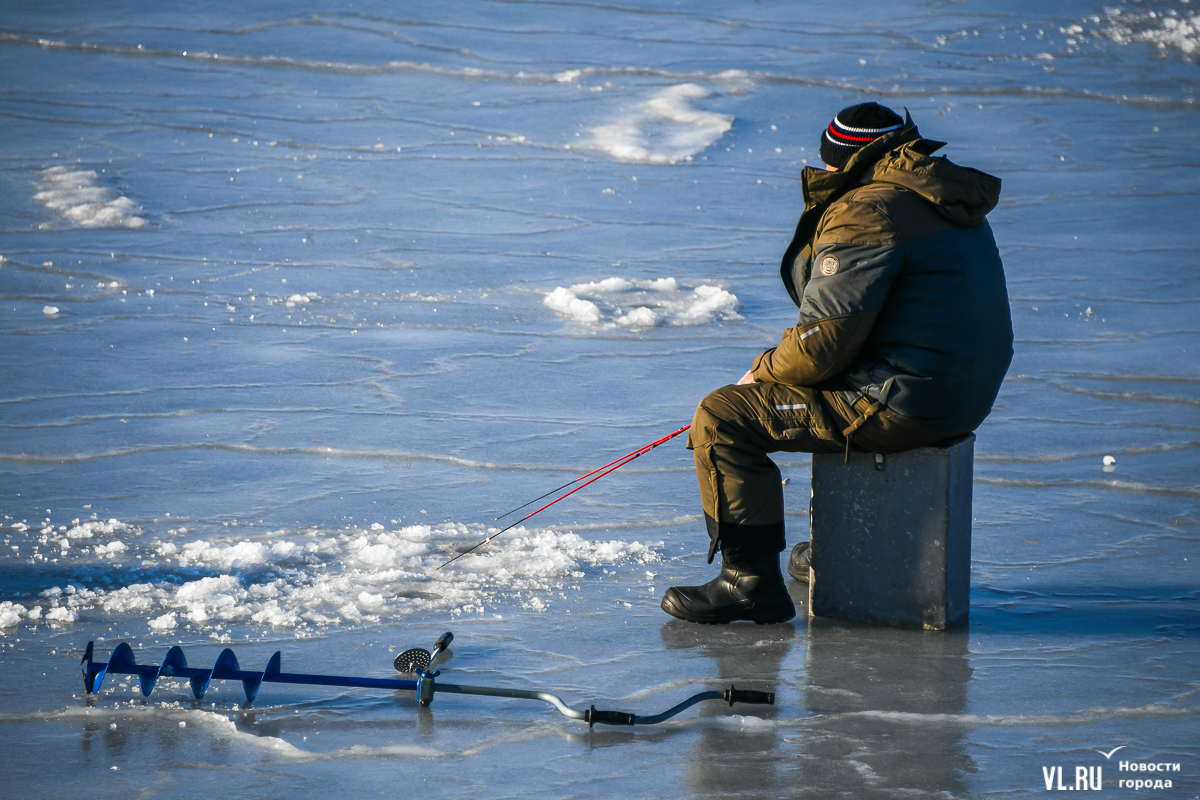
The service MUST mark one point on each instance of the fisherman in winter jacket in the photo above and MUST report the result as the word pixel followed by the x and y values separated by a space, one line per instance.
pixel 903 339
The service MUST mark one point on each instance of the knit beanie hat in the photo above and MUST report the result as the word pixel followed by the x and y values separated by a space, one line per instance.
pixel 856 127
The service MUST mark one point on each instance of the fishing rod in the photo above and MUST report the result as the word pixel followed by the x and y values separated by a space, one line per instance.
pixel 630 455
pixel 607 468
pixel 415 662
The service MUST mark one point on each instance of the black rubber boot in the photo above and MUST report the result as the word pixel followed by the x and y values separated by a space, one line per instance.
pixel 750 590
pixel 800 561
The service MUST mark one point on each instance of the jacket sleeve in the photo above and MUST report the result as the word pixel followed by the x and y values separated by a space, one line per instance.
pixel 843 297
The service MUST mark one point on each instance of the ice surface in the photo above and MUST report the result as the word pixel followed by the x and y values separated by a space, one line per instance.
pixel 335 287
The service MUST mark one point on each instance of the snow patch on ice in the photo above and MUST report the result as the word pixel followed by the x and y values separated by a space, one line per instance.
pixel 109 550
pixel 745 723
pixel 383 751
pixel 78 196
pixel 318 578
pixel 571 306
pixel 166 622
pixel 61 614
pixel 664 129
pixel 622 303
pixel 12 613
pixel 224 728
pixel 1168 30
pixel 199 724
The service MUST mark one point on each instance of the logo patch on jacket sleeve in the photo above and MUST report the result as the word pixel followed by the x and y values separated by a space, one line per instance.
pixel 829 265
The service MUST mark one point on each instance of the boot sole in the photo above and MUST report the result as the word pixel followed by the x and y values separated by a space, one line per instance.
pixel 765 616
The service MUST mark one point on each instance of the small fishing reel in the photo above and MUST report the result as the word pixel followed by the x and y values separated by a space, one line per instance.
pixel 416 662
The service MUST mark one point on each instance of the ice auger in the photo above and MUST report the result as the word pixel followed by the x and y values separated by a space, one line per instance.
pixel 415 662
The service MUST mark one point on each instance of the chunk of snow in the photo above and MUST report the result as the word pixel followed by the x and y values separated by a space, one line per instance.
pixel 663 129
pixel 78 196
pixel 637 305
pixel 164 623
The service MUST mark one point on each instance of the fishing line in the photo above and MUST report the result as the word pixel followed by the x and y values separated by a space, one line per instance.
pixel 606 469
pixel 572 483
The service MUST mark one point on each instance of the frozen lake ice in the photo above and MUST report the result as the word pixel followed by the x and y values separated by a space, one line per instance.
pixel 298 297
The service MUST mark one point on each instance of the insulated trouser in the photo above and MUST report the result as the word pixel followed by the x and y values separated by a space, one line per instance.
pixel 734 429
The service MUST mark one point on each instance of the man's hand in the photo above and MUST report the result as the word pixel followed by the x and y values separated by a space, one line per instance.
pixel 747 378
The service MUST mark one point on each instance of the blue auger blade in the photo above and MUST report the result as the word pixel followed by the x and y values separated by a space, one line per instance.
pixel 227 668
pixel 122 661
pixel 271 672
pixel 175 665
pixel 93 674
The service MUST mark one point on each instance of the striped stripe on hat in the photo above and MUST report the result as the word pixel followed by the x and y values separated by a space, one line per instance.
pixel 854 128
pixel 848 136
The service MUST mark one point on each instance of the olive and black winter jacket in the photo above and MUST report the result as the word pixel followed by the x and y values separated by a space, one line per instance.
pixel 900 286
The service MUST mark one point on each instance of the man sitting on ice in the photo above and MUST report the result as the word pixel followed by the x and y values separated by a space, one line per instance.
pixel 903 340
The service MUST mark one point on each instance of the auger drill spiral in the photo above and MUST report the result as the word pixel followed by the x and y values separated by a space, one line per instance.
pixel 416 662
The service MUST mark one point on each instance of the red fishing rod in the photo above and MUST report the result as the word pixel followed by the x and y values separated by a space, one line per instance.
pixel 606 469
pixel 631 455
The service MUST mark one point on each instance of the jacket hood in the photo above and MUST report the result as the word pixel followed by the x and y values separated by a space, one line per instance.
pixel 962 195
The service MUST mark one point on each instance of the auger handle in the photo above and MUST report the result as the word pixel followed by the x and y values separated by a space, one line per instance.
pixel 592 716
pixel 736 695
pixel 439 646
